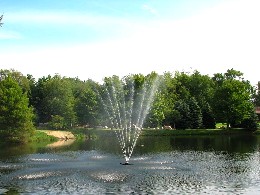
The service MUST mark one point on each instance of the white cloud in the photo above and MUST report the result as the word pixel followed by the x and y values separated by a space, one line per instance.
pixel 224 37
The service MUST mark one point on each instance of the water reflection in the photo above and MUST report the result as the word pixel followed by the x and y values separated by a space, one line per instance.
pixel 168 165
pixel 60 143
pixel 235 143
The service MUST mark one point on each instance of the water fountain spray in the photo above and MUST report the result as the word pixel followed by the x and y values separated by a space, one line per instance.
pixel 126 106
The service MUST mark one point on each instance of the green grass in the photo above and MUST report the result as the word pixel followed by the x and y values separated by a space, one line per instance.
pixel 221 125
pixel 39 136
pixel 81 133
pixel 163 132
pixel 147 132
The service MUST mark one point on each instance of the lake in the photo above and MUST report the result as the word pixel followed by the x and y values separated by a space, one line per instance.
pixel 219 164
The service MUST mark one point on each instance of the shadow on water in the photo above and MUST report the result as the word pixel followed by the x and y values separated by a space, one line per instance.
pixel 161 164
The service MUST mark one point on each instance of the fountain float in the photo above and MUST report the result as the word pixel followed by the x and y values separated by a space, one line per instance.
pixel 126 103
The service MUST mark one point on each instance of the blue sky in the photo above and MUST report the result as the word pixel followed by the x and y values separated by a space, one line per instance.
pixel 98 38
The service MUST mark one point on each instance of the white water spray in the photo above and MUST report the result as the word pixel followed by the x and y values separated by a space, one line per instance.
pixel 126 107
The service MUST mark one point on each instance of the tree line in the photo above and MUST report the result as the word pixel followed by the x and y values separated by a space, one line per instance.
pixel 182 100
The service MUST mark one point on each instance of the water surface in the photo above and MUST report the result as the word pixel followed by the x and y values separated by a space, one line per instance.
pixel 161 165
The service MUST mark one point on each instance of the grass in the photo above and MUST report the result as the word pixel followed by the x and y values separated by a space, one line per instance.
pixel 39 136
pixel 81 133
pixel 163 132
pixel 147 132
pixel 221 126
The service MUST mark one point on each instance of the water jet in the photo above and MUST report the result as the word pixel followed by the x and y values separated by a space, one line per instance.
pixel 126 103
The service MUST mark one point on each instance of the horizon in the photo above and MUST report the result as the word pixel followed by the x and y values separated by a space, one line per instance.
pixel 96 39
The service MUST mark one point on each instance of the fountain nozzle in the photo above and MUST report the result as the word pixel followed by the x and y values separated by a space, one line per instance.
pixel 126 163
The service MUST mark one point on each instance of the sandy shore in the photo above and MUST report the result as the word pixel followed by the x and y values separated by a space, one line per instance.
pixel 62 135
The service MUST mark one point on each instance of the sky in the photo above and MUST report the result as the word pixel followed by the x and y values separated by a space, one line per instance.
pixel 93 39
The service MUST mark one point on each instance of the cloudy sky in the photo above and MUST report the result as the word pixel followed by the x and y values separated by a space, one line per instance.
pixel 98 38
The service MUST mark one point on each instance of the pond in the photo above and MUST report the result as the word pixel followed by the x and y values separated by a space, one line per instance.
pixel 160 165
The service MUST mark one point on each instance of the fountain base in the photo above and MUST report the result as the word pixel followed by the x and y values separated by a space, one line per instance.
pixel 126 163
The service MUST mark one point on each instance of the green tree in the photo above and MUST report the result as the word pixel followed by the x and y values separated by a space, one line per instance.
pixel 256 95
pixel 201 88
pixel 163 107
pixel 57 122
pixel 208 118
pixel 195 114
pixel 232 98
pixel 87 106
pixel 183 115
pixel 22 80
pixel 53 96
pixel 182 88
pixel 156 115
pixel 15 114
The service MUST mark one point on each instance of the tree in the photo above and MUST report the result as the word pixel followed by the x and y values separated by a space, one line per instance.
pixel 208 119
pixel 201 88
pixel 57 122
pixel 86 103
pixel 182 82
pixel 195 114
pixel 256 95
pixel 53 97
pixel 232 98
pixel 183 115
pixel 196 90
pixel 250 122
pixel 15 114
pixel 22 80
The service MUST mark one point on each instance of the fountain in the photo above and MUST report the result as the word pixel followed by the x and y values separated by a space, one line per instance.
pixel 126 104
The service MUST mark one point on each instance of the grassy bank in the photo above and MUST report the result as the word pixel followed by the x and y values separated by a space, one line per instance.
pixel 40 136
pixel 82 133
pixel 147 132
pixel 162 132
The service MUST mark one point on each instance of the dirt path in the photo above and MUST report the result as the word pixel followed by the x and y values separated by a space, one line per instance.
pixel 63 135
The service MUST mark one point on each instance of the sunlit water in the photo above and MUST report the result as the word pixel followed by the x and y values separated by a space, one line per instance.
pixel 160 165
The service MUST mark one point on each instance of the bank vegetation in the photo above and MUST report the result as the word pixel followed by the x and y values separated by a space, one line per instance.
pixel 182 101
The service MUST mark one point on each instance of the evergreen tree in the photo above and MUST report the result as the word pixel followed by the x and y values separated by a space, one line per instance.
pixel 183 115
pixel 15 115
pixel 195 114
pixel 208 120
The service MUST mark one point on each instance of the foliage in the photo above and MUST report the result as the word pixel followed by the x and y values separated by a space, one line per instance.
pixel 57 122
pixel 182 100
pixel 250 123
pixel 53 96
pixel 208 119
pixel 195 114
pixel 86 103
pixel 167 94
pixel 15 115
pixel 232 98
pixel 183 115
pixel 256 95
pixel 22 81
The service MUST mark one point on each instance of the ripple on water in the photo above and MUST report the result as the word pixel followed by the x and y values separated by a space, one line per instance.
pixel 39 175
pixel 91 172
pixel 98 157
pixel 109 176
pixel 3 191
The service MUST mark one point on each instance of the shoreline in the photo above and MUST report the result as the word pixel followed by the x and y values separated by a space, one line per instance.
pixel 186 132
pixel 61 135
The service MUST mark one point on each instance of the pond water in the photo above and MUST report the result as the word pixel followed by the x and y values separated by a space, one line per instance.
pixel 160 165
